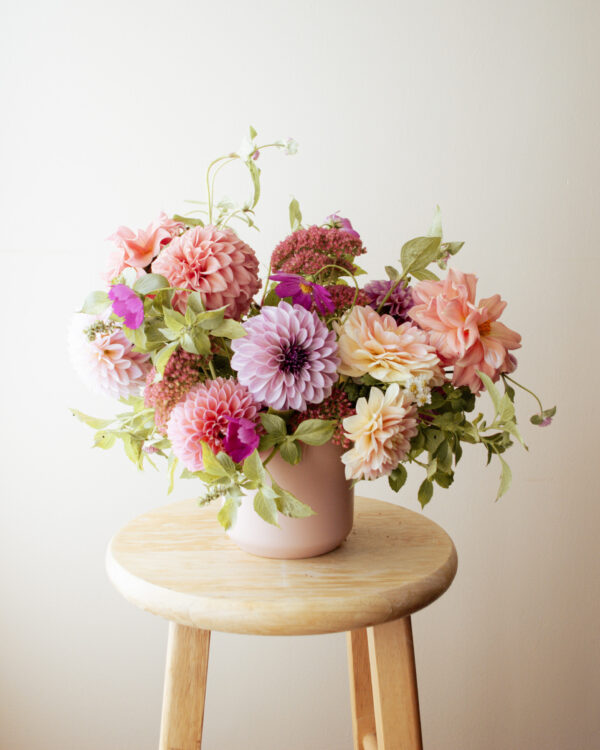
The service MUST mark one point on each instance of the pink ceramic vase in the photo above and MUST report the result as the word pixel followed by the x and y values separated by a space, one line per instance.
pixel 319 481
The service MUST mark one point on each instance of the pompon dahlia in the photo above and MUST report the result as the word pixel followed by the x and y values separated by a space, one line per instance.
pixel 398 303
pixel 203 417
pixel 182 373
pixel 214 262
pixel 306 251
pixel 288 358
pixel 104 358
pixel 337 407
pixel 343 297
pixel 373 344
pixel 381 431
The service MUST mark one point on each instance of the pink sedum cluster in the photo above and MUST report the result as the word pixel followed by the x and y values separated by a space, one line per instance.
pixel 104 357
pixel 138 249
pixel 214 262
pixel 204 416
pixel 307 251
pixel 465 334
pixel 182 373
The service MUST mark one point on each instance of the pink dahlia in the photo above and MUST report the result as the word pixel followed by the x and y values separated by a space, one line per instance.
pixel 104 358
pixel 307 251
pixel 381 431
pixel 138 249
pixel 214 262
pixel 182 373
pixel 288 358
pixel 204 417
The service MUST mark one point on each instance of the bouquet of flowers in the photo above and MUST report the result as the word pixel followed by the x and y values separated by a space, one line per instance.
pixel 218 371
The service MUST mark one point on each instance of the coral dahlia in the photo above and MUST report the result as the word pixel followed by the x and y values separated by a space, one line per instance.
pixel 381 431
pixel 204 416
pixel 288 358
pixel 214 262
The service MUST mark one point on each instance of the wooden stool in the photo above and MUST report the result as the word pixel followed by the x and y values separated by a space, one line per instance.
pixel 177 562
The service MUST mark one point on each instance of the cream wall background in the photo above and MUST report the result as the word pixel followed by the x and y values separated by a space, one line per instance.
pixel 111 111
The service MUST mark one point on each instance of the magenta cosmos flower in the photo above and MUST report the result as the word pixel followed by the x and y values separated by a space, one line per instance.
pixel 345 225
pixel 302 292
pixel 127 305
pixel 288 358
pixel 242 438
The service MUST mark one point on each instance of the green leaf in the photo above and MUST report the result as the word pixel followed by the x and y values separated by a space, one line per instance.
pixel 505 478
pixel 150 283
pixel 452 247
pixel 201 341
pixel 537 419
pixel 290 506
pixel 435 230
pixel 212 465
pixel 432 467
pixel 274 425
pixel 172 462
pixel 506 409
pixel 433 438
pixel 265 505
pixel 253 468
pixel 104 440
pixel 253 133
pixel 315 431
pixel 228 513
pixel 491 389
pixel 397 478
pixel 255 175
pixel 191 222
pixel 295 215
pixel 425 275
pixel 174 320
pixel 227 463
pixel 187 343
pixel 392 273
pixel 290 451
pixel 95 303
pixel 162 357
pixel 94 422
pixel 209 319
pixel 194 302
pixel 137 336
pixel 425 492
pixel 417 253
pixel 443 480
pixel 229 329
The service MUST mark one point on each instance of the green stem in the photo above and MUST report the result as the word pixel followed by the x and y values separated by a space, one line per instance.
pixel 270 456
pixel 264 294
pixel 393 286
pixel 352 276
pixel 523 388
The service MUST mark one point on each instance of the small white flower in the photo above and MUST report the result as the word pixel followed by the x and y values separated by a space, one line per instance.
pixel 289 145
pixel 419 389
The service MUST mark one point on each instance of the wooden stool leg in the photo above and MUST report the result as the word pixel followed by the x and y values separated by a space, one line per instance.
pixel 395 698
pixel 361 692
pixel 185 688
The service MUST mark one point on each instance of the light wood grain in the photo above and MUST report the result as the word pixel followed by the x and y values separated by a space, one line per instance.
pixel 361 690
pixel 369 742
pixel 176 562
pixel 185 688
pixel 395 697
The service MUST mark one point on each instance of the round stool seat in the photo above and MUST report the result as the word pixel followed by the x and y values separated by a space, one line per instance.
pixel 176 562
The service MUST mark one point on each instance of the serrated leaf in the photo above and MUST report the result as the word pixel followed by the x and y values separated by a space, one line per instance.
pixel 397 478
pixel 201 341
pixel 209 319
pixel 150 283
pixel 265 505
pixel 162 357
pixel 315 431
pixel 229 329
pixel 274 425
pixel 228 512
pixel 211 465
pixel 95 303
pixel 253 468
pixel 174 320
pixel 94 422
pixel 290 506
pixel 195 302
pixel 295 215
pixel 227 463
pixel 505 478
pixel 187 343
pixel 290 451
pixel 425 492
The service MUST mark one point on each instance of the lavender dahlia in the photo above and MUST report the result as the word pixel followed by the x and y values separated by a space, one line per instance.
pixel 397 304
pixel 288 358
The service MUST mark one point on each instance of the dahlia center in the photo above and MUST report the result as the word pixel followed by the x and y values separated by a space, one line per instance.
pixel 293 358
pixel 484 328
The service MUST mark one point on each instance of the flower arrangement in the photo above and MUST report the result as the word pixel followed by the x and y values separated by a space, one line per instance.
pixel 218 371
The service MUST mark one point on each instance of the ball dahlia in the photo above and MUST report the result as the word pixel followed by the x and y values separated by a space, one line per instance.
pixel 306 251
pixel 203 417
pixel 104 358
pixel 288 358
pixel 214 262
pixel 381 431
